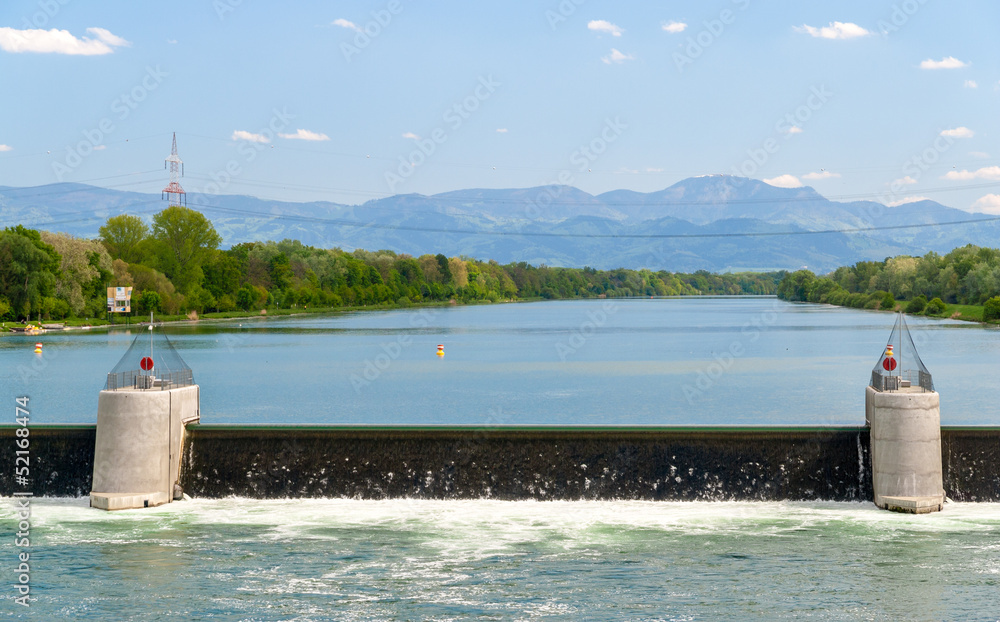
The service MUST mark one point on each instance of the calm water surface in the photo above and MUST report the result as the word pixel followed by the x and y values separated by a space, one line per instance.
pixel 665 361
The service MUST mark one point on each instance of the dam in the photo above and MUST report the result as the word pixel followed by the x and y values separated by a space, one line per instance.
pixel 543 463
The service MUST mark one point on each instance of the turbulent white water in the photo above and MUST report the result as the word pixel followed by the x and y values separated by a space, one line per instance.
pixel 247 559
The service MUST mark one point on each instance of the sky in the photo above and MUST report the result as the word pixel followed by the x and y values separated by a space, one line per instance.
pixel 351 101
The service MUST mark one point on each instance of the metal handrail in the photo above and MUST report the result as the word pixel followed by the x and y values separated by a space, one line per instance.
pixel 138 379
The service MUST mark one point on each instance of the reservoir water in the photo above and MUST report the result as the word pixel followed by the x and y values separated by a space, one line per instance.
pixel 672 361
pixel 737 361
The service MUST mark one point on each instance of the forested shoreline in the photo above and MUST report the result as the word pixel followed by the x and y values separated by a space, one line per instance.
pixel 965 284
pixel 177 268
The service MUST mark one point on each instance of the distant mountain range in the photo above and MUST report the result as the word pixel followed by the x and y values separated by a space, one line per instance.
pixel 716 223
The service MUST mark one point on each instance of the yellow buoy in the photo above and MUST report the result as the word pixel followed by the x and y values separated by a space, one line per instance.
pixel 440 351
pixel 38 348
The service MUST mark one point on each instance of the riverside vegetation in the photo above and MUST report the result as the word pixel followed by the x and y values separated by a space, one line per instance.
pixel 177 269
pixel 963 284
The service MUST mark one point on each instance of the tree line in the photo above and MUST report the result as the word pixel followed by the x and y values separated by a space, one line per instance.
pixel 176 266
pixel 969 275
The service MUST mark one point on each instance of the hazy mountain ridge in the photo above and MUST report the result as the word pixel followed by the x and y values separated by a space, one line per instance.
pixel 554 225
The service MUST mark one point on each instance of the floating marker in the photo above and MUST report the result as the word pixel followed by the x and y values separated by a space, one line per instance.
pixel 38 348
pixel 440 351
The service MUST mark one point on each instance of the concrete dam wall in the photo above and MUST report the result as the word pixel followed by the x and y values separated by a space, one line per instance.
pixel 668 463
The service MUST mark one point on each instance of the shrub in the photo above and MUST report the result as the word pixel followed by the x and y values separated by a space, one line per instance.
pixel 917 305
pixel 991 309
pixel 936 307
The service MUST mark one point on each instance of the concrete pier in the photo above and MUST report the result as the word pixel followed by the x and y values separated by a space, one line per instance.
pixel 138 449
pixel 906 449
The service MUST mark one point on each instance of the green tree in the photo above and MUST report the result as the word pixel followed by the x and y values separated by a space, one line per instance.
pixel 186 240
pixel 85 270
pixel 122 234
pixel 246 297
pixel 28 268
pixel 149 301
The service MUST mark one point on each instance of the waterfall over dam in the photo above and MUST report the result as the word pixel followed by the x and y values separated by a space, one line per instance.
pixel 544 463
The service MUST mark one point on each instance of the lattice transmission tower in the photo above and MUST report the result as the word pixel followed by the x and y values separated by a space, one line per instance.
pixel 176 172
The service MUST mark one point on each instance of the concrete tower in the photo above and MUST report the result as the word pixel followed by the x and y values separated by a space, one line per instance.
pixel 903 413
pixel 148 400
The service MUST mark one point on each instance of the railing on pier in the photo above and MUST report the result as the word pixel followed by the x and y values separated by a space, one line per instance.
pixel 137 379
pixel 906 379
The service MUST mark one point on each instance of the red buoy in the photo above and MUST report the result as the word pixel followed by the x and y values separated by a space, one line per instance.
pixel 146 363
pixel 889 364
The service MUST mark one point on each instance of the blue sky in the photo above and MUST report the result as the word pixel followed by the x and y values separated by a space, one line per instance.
pixel 350 101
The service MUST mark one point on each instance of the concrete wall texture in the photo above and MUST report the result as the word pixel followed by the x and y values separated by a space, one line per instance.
pixel 906 445
pixel 525 463
pixel 139 439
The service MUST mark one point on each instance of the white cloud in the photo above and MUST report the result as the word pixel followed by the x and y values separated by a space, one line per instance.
pixel 650 169
pixel 982 155
pixel 948 62
pixel 905 200
pixel 245 135
pixel 674 27
pixel 305 135
pixel 343 23
pixel 410 135
pixel 502 130
pixel 971 84
pixel 6 148
pixel 820 175
pixel 784 181
pixel 601 25
pixel 987 172
pixel 906 181
pixel 959 132
pixel 105 35
pixel 616 57
pixel 989 204
pixel 836 30
pixel 100 147
pixel 59 42
pixel 794 130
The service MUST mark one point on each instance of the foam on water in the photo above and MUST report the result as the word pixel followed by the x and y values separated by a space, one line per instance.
pixel 248 559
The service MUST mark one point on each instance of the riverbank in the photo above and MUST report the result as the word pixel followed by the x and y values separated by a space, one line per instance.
pixel 138 320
